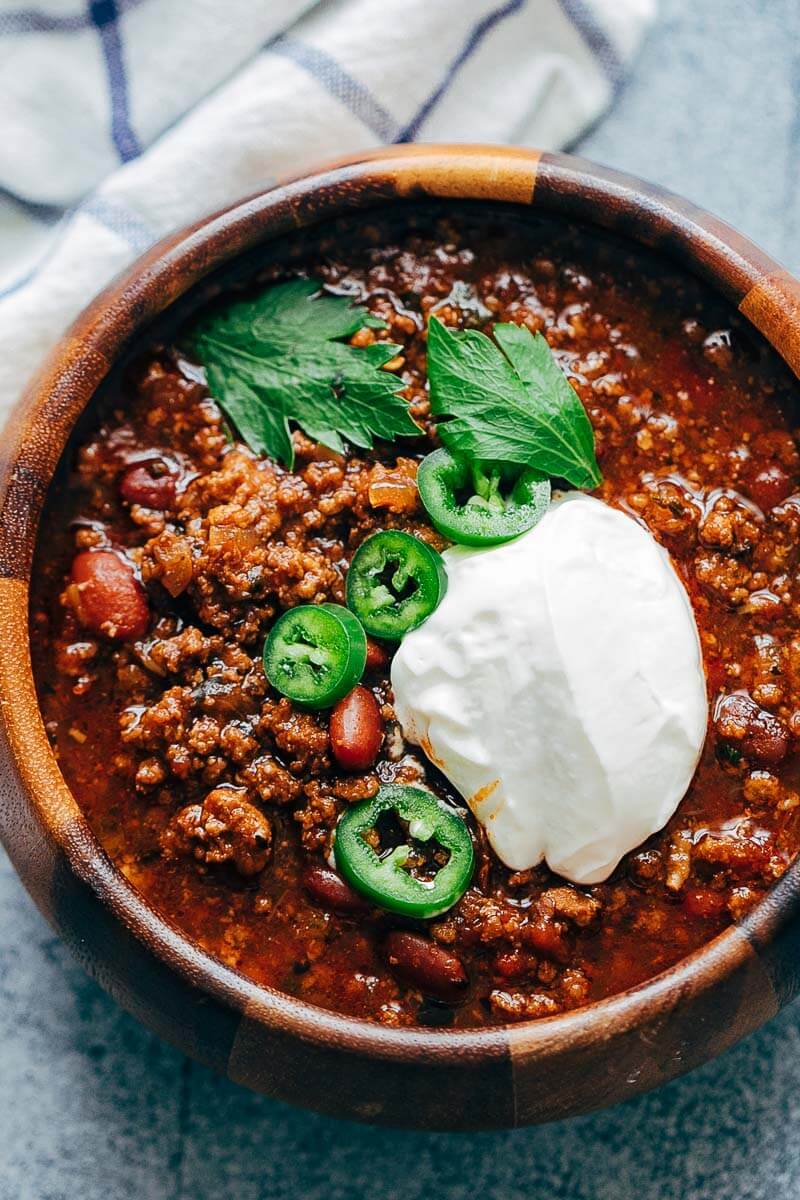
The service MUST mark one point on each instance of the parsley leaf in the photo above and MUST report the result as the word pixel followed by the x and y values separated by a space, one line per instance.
pixel 281 358
pixel 508 400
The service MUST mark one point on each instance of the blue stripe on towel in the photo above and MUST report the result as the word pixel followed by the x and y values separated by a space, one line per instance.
pixel 21 280
pixel 596 39
pixel 335 79
pixel 48 214
pixel 32 20
pixel 112 215
pixel 105 18
pixel 476 36
pixel 117 217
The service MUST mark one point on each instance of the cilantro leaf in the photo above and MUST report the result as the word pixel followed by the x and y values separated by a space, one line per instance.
pixel 508 400
pixel 281 358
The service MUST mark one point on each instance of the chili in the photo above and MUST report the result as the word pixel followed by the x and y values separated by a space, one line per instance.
pixel 219 799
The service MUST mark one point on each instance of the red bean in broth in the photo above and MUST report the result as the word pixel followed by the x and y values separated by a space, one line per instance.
pixel 328 889
pixel 423 964
pixel 149 484
pixel 108 598
pixel 356 730
pixel 770 486
pixel 704 903
pixel 767 740
pixel 377 656
pixel 754 731
pixel 515 965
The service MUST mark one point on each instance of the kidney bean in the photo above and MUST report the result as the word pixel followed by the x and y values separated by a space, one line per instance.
pixel 107 596
pixel 422 964
pixel 767 740
pixel 148 483
pixel 329 890
pixel 758 734
pixel 356 730
pixel 704 903
pixel 377 656
pixel 769 486
pixel 645 867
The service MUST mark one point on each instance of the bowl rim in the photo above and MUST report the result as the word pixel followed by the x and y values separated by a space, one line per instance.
pixel 562 184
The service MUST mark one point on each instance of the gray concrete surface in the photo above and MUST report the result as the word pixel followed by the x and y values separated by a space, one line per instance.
pixel 92 1107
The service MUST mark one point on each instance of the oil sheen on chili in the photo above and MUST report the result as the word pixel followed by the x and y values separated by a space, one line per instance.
pixel 218 798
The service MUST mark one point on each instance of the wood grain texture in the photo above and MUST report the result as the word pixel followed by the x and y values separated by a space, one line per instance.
pixel 267 1041
pixel 634 1043
pixel 480 174
pixel 773 306
pixel 506 173
pixel 773 930
pixel 655 217
pixel 421 1078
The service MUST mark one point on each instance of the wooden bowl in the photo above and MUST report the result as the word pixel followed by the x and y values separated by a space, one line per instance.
pixel 434 1079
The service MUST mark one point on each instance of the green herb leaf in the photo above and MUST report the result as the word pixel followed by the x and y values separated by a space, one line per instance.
pixel 508 400
pixel 280 358
pixel 729 754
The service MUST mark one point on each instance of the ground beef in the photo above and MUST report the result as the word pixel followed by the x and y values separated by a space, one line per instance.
pixel 224 828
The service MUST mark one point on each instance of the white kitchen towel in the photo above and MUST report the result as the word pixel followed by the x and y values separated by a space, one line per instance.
pixel 123 119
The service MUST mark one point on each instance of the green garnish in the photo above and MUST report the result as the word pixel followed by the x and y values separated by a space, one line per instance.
pixel 729 754
pixel 315 654
pixel 480 504
pixel 508 401
pixel 384 877
pixel 281 358
pixel 394 583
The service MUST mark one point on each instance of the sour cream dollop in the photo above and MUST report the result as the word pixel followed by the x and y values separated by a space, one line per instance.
pixel 559 686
